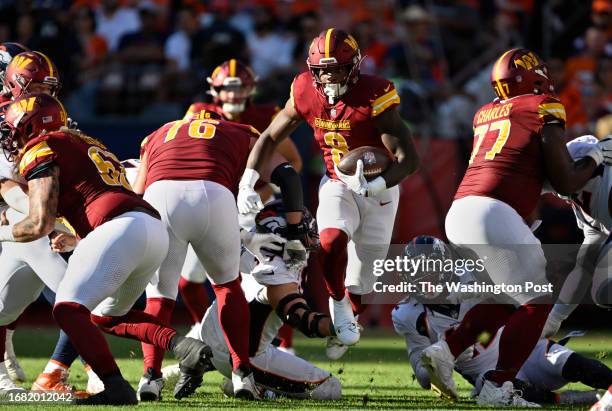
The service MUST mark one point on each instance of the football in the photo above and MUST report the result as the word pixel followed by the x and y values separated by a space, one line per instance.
pixel 375 161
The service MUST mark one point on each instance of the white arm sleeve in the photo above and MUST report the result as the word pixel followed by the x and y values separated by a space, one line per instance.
pixel 17 200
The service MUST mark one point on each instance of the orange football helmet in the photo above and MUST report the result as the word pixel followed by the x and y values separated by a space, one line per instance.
pixel 238 80
pixel 28 68
pixel 520 71
pixel 27 117
pixel 334 48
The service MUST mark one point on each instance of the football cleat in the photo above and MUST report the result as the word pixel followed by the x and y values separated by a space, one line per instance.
pixel 334 349
pixel 439 363
pixel 345 324
pixel 117 392
pixel 10 360
pixel 7 385
pixel 605 403
pixel 194 360
pixel 244 385
pixel 149 388
pixel 504 396
pixel 56 380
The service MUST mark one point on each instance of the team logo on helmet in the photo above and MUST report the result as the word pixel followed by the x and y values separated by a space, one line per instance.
pixel 520 71
pixel 333 49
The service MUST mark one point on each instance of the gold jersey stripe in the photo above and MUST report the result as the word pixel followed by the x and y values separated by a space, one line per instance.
pixel 382 103
pixel 291 96
pixel 39 150
pixel 553 109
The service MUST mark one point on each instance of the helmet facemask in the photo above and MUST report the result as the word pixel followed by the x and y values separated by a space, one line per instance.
pixel 241 94
pixel 334 91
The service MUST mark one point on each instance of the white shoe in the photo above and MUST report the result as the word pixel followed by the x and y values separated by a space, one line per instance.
pixel 504 396
pixel 171 371
pixel 345 324
pixel 149 388
pixel 10 359
pixel 439 363
pixel 605 403
pixel 244 387
pixel 7 385
pixel 194 332
pixel 334 349
pixel 94 383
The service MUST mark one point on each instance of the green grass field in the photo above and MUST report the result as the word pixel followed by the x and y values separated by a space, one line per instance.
pixel 375 374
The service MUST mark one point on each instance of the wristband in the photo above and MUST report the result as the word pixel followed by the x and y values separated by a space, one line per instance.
pixel 376 186
pixel 249 178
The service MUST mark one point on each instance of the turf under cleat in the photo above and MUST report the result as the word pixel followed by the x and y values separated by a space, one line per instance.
pixel 345 325
pixel 439 363
pixel 504 396
pixel 149 388
pixel 117 391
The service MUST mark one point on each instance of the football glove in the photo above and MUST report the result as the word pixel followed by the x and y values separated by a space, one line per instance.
pixel 356 182
pixel 295 255
pixel 254 242
pixel 248 200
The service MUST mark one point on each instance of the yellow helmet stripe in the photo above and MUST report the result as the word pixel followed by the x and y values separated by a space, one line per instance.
pixel 232 68
pixel 48 62
pixel 327 41
pixel 497 74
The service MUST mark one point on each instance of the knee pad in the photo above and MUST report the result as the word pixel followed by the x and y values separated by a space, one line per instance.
pixel 329 390
pixel 306 323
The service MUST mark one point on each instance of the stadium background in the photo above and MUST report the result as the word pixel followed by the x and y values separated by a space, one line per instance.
pixel 128 66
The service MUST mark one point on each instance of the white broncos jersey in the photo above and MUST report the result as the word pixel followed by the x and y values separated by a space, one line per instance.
pixel 591 204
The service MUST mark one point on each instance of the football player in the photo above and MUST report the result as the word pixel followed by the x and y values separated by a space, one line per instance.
pixel 32 70
pixel 591 205
pixel 9 50
pixel 421 320
pixel 189 171
pixel 346 110
pixel 122 240
pixel 232 85
pixel 273 291
pixel 518 143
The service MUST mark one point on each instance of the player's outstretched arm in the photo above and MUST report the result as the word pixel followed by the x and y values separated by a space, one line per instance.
pixel 565 175
pixel 285 122
pixel 43 195
pixel 397 137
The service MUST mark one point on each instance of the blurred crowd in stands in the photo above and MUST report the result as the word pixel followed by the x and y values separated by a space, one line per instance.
pixel 150 58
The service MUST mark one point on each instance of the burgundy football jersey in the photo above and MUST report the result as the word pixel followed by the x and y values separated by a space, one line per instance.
pixel 93 187
pixel 507 161
pixel 349 123
pixel 257 115
pixel 198 149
